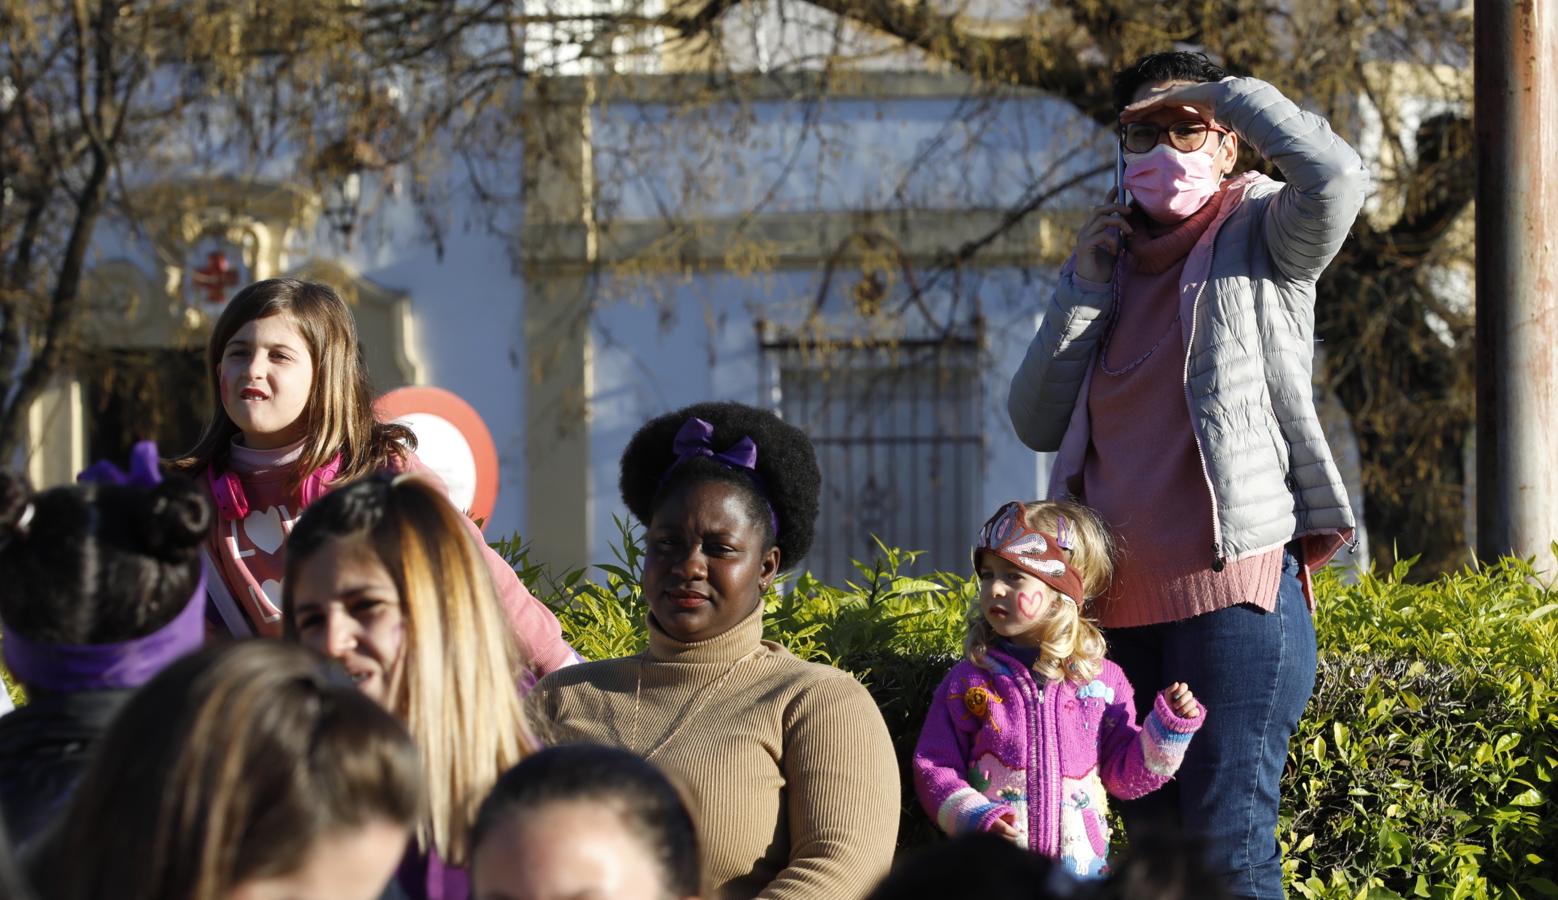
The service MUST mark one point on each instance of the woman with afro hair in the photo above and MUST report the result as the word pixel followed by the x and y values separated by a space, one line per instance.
pixel 788 764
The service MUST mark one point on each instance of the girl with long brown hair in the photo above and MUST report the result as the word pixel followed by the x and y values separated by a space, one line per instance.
pixel 291 417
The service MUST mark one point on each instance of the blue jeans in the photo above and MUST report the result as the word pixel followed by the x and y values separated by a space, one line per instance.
pixel 1255 671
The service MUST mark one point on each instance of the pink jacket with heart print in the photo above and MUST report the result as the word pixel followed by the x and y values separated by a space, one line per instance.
pixel 249 556
pixel 996 743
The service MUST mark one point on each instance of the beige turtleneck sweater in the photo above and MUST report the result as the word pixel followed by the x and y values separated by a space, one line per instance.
pixel 788 764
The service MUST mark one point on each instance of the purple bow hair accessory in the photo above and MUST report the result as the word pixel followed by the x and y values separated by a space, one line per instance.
pixel 69 668
pixel 144 469
pixel 696 438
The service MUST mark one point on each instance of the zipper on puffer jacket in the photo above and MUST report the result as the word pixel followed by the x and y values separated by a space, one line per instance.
pixel 1218 560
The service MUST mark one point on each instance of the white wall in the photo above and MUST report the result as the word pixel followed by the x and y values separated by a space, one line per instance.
pixel 467 326
pixel 680 342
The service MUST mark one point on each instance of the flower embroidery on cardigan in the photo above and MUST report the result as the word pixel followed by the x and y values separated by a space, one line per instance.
pixel 1096 688
pixel 977 699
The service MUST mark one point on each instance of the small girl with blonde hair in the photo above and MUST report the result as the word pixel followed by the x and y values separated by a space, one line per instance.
pixel 1030 733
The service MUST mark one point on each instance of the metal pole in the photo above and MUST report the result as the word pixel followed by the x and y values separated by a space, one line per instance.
pixel 1516 120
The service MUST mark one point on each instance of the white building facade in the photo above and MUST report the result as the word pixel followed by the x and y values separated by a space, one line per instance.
pixel 857 263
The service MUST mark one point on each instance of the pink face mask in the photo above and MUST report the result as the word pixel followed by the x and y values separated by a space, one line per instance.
pixel 1169 185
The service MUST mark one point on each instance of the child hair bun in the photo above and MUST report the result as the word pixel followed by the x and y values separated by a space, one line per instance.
pixel 178 519
pixel 15 494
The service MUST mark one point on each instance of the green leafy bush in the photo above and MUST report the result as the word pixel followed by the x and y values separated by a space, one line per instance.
pixel 1423 768
pixel 1425 765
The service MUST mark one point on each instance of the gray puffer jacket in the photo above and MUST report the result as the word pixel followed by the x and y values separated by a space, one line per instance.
pixel 1247 309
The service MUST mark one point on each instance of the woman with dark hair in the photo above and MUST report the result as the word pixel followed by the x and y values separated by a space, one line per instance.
pixel 584 820
pixel 790 768
pixel 102 589
pixel 245 771
pixel 1172 373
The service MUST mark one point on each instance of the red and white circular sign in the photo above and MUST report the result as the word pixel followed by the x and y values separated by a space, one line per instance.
pixel 452 440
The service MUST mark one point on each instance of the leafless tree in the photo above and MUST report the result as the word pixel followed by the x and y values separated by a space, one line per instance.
pixel 96 98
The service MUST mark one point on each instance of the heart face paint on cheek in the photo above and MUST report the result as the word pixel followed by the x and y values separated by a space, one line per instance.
pixel 1030 605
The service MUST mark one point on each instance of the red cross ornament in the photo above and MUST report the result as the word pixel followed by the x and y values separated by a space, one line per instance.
pixel 215 278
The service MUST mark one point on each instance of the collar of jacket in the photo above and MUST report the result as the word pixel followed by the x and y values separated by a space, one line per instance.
pixel 77 718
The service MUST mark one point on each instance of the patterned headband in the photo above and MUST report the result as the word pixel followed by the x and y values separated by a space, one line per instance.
pixel 1044 556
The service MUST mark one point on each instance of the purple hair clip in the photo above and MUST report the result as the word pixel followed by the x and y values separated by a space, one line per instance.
pixel 1063 533
pixel 144 469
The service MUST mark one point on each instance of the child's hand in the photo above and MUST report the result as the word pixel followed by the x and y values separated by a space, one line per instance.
pixel 1006 827
pixel 1181 700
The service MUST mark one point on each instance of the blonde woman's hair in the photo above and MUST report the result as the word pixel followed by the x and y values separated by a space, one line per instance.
pixel 230 765
pixel 340 398
pixel 1070 644
pixel 458 691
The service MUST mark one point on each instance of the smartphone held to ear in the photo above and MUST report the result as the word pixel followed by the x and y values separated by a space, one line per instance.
pixel 1121 195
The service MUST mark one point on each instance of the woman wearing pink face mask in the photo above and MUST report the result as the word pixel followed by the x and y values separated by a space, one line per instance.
pixel 1172 373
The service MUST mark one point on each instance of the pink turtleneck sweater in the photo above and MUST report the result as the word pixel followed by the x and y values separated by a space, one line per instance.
pixel 1143 471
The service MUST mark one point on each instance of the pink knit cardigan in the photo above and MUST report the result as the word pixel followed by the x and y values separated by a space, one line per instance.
pixel 997 744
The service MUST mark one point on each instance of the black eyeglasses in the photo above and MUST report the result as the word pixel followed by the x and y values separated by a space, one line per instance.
pixel 1186 137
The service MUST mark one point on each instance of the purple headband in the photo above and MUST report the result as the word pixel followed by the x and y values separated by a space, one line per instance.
pixel 67 668
pixel 695 439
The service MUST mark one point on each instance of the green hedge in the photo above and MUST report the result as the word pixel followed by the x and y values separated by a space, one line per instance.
pixel 1423 768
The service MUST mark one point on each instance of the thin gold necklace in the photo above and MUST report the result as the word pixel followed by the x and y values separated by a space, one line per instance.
pixel 712 689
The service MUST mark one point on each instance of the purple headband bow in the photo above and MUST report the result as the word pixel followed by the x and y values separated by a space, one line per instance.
pixel 695 439
pixel 68 668
pixel 144 470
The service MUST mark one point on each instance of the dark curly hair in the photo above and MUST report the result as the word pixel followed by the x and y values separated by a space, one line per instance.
pixel 98 563
pixel 787 479
pixel 1177 65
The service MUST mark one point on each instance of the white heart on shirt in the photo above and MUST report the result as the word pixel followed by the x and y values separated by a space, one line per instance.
pixel 264 530
pixel 272 591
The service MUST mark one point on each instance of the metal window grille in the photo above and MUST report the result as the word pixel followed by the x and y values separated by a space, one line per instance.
pixel 898 441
